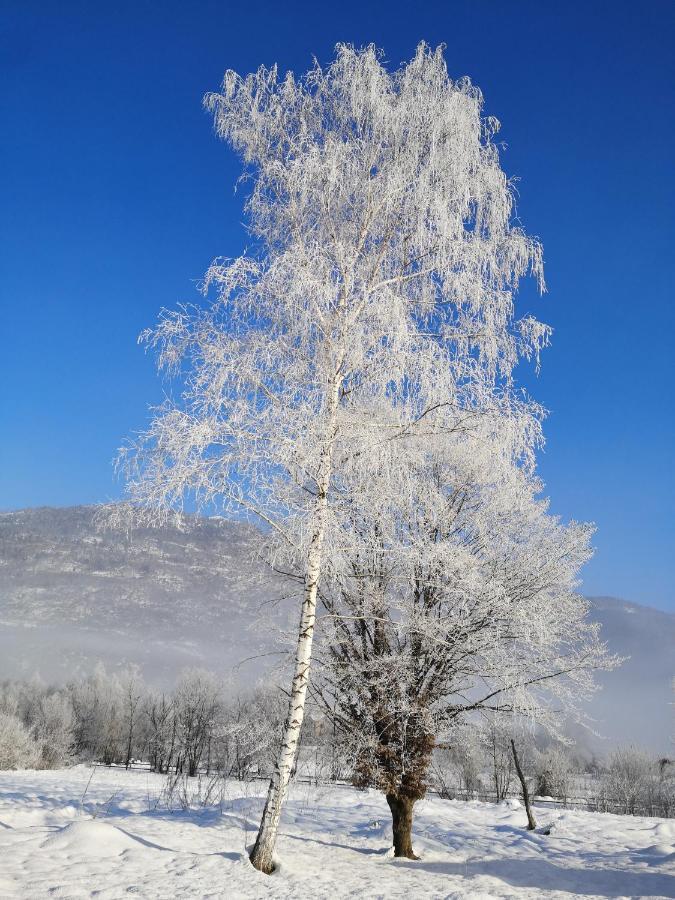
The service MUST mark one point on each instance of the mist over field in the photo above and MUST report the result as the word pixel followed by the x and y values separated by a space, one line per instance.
pixel 161 598
pixel 71 596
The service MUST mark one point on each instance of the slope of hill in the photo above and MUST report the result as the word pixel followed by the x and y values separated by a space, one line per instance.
pixel 635 704
pixel 166 599
pixel 162 598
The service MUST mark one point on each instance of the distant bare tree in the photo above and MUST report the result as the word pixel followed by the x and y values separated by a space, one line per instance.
pixel 197 706
pixel 531 821
pixel 161 729
pixel 54 729
pixel 98 704
pixel 501 759
pixel 553 768
pixel 133 690
pixel 18 749
pixel 636 783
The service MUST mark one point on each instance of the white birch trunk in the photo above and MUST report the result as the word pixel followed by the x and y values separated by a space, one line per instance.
pixel 263 849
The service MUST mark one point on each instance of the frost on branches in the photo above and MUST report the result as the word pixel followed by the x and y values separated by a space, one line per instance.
pixel 453 599
pixel 369 333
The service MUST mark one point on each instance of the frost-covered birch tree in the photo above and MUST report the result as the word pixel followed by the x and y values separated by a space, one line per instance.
pixel 383 257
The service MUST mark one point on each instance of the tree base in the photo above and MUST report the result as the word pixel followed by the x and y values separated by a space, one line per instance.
pixel 262 860
pixel 266 869
pixel 410 855
pixel 401 826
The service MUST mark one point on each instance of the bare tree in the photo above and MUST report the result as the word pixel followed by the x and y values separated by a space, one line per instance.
pixel 132 692
pixel 18 749
pixel 53 728
pixel 98 704
pixel 553 773
pixel 531 821
pixel 458 763
pixel 252 727
pixel 161 728
pixel 635 782
pixel 501 759
pixel 197 704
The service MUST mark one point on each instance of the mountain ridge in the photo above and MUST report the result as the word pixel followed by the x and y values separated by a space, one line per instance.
pixel 167 598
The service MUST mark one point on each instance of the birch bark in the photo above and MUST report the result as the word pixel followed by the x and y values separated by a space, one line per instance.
pixel 262 855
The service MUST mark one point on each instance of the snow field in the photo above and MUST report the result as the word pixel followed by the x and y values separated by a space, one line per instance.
pixel 117 842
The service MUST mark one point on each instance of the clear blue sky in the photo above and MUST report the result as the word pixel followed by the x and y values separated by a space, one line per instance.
pixel 115 196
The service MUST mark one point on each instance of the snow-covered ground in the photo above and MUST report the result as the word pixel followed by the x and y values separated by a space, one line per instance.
pixel 117 841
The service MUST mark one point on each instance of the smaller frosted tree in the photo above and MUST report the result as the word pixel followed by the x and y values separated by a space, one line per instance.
pixel 54 730
pixel 554 769
pixel 132 691
pixel 197 706
pixel 46 714
pixel 160 727
pixel 464 604
pixel 98 705
pixel 18 749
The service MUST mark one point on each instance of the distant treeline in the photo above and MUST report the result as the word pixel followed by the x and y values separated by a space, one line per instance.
pixel 201 727
pixel 117 719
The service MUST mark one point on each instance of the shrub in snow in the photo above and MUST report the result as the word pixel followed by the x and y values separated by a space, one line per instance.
pixel 553 773
pixel 18 749
pixel 635 783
